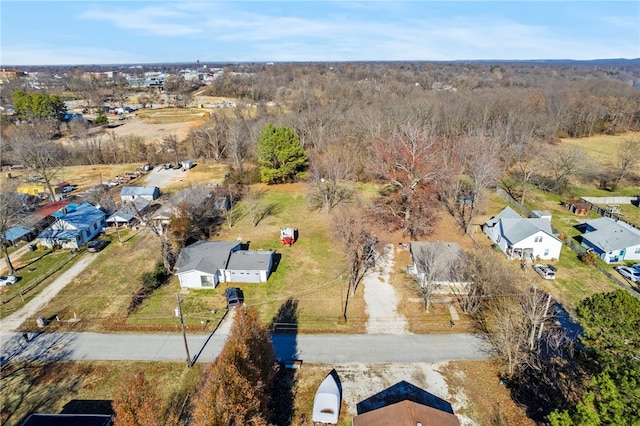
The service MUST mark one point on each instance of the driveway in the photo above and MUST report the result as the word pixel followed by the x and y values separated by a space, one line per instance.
pixel 35 305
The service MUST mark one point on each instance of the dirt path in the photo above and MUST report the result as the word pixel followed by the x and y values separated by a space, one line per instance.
pixel 13 321
pixel 381 299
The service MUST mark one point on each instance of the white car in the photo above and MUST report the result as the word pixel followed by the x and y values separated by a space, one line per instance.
pixel 629 273
pixel 8 280
pixel 545 271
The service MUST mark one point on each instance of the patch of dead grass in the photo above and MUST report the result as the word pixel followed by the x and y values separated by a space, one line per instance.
pixel 490 402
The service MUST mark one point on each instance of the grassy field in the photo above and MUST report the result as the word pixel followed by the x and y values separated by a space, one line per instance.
pixel 36 270
pixel 171 115
pixel 308 273
pixel 81 387
pixel 601 148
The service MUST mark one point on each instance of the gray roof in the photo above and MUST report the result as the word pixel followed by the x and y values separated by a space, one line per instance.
pixel 129 211
pixel 193 195
pixel 250 260
pixel 205 256
pixel 447 255
pixel 515 228
pixel 506 213
pixel 611 235
pixel 139 190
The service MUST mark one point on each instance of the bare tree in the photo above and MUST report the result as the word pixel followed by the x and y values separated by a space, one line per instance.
pixel 627 160
pixel 10 207
pixel 488 277
pixel 210 140
pixel 561 164
pixel 170 144
pixel 407 164
pixel 435 264
pixel 360 246
pixel 238 142
pixel 33 146
pixel 253 206
pixel 329 170
pixel 472 164
pixel 507 330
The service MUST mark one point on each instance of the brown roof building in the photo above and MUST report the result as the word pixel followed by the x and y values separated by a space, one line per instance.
pixel 406 413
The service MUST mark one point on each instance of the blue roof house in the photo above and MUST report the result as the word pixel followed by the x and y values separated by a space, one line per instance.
pixel 18 233
pixel 612 240
pixel 75 225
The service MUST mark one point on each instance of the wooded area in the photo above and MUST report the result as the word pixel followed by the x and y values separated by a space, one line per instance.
pixel 429 138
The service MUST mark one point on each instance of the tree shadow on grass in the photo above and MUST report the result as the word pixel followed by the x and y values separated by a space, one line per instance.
pixel 32 376
pixel 284 329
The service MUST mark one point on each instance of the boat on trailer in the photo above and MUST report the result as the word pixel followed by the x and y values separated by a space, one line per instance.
pixel 326 404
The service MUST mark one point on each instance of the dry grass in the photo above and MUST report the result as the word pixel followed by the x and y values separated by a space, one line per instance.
pixel 77 387
pixel 171 115
pixel 601 148
pixel 490 402
pixel 99 296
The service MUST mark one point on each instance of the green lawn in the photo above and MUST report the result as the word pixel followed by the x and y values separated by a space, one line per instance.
pixel 309 273
pixel 36 270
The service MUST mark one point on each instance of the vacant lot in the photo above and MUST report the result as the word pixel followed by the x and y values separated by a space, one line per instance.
pixel 472 387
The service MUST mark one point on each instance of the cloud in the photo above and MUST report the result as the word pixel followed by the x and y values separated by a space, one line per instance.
pixel 50 55
pixel 159 20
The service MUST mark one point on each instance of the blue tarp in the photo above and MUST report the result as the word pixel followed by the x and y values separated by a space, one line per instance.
pixel 16 232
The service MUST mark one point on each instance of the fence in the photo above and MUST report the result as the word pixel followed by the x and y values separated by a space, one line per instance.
pixel 522 209
pixel 572 244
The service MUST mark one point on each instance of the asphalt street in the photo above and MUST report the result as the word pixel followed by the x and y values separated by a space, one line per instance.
pixel 317 348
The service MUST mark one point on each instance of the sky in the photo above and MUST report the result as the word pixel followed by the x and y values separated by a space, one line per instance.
pixel 137 32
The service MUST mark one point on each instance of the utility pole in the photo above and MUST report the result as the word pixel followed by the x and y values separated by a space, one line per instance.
pixel 184 335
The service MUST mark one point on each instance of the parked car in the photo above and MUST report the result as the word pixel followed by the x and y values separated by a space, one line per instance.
pixel 234 297
pixel 68 188
pixel 545 271
pixel 8 280
pixel 636 266
pixel 96 245
pixel 629 273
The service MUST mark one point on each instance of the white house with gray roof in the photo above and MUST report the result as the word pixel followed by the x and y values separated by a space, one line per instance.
pixel 523 238
pixel 612 240
pixel 130 193
pixel 208 263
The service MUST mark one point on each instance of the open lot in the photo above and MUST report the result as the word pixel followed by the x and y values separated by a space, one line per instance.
pixel 75 387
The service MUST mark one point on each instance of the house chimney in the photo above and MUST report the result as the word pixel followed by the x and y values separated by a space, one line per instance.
pixel 64 210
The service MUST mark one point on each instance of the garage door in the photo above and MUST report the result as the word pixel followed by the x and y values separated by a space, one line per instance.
pixel 245 276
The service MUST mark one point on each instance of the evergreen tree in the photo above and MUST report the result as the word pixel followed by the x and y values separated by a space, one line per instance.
pixel 611 349
pixel 280 155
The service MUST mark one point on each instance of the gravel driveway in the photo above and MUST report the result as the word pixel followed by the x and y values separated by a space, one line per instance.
pixel 381 298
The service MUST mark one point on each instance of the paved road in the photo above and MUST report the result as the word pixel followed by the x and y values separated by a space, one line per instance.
pixel 322 348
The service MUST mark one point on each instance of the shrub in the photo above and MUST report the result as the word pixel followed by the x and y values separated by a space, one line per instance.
pixel 589 258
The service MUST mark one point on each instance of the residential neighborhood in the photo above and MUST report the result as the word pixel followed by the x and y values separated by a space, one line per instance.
pixel 285 242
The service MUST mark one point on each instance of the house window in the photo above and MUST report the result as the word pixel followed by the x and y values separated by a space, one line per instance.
pixel 546 252
pixel 637 251
pixel 95 226
pixel 206 280
pixel 538 239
